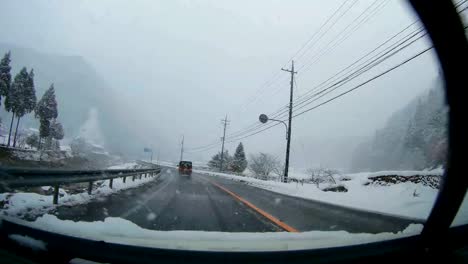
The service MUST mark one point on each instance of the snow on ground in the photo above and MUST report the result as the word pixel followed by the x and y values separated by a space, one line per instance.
pixel 167 163
pixel 403 199
pixel 129 165
pixel 22 203
pixel 121 231
pixel 29 242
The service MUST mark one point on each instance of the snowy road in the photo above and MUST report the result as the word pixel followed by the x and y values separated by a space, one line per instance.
pixel 207 203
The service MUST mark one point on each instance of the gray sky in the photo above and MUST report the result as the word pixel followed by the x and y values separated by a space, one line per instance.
pixel 189 63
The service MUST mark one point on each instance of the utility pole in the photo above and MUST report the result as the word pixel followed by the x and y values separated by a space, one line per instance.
pixel 225 122
pixel 182 148
pixel 288 144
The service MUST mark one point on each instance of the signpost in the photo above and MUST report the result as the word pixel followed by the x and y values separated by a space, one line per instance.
pixel 263 119
pixel 149 150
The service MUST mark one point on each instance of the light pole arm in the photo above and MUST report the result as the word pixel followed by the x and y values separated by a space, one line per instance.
pixel 284 123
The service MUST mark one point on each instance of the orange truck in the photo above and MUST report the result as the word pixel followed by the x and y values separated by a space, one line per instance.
pixel 185 168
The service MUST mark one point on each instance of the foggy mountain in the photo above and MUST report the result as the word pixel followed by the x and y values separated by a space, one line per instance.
pixel 413 138
pixel 83 98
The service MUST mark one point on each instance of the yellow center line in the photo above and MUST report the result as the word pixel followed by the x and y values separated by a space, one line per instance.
pixel 258 210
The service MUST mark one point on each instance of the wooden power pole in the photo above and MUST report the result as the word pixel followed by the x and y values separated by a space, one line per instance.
pixel 288 144
pixel 225 122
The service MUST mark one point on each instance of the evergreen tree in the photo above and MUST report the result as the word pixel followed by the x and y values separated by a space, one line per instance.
pixel 239 162
pixel 56 130
pixel 46 111
pixel 46 108
pixel 5 76
pixel 44 129
pixel 13 102
pixel 26 98
pixel 55 134
pixel 215 161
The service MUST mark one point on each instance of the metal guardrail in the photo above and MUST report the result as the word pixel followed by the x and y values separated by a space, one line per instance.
pixel 17 177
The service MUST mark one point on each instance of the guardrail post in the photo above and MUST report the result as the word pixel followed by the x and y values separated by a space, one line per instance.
pixel 124 179
pixel 141 174
pixel 111 181
pixel 90 187
pixel 56 194
pixel 133 177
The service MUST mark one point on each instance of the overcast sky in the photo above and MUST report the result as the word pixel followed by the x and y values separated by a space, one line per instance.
pixel 190 63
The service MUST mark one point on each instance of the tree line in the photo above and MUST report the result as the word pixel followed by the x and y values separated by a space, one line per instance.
pixel 237 163
pixel 413 138
pixel 262 165
pixel 19 99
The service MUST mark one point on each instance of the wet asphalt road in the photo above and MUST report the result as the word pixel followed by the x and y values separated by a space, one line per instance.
pixel 176 202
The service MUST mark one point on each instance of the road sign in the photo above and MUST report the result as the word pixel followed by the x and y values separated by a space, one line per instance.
pixel 263 118
pixel 147 150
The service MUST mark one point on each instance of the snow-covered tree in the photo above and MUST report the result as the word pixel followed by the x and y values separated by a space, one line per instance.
pixel 5 75
pixel 25 97
pixel 322 175
pixel 215 161
pixel 239 161
pixel 56 130
pixel 415 137
pixel 46 111
pixel 13 101
pixel 46 108
pixel 44 129
pixel 33 140
pixel 55 134
pixel 263 164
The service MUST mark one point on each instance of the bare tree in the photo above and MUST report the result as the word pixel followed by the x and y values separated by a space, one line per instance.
pixel 262 164
pixel 322 175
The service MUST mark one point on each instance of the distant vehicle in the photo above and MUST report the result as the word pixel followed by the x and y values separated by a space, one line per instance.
pixel 185 167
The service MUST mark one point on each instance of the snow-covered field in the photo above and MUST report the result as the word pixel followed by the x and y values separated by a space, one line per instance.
pixel 129 165
pixel 403 199
pixel 24 203
pixel 121 231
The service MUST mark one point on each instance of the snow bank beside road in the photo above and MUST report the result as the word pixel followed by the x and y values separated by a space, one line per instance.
pixel 403 199
pixel 121 231
pixel 23 204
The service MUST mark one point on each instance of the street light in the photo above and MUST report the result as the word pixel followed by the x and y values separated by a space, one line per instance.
pixel 263 119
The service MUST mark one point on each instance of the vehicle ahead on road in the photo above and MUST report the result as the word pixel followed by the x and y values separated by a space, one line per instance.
pixel 185 168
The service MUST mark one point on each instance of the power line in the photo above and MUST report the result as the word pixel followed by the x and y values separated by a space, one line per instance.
pixel 364 68
pixel 324 33
pixel 358 72
pixel 373 78
pixel 307 97
pixel 331 44
pixel 342 94
pixel 380 55
pixel 368 81
pixel 267 84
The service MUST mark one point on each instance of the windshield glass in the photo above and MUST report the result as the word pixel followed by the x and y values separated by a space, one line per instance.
pixel 260 125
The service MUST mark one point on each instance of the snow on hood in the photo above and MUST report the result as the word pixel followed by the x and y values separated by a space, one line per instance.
pixel 121 231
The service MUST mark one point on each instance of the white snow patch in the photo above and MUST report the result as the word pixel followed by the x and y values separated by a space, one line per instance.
pixel 129 165
pixel 29 242
pixel 18 204
pixel 396 199
pixel 121 231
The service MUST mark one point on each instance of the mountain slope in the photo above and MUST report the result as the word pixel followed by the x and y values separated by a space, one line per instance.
pixel 414 137
pixel 80 92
